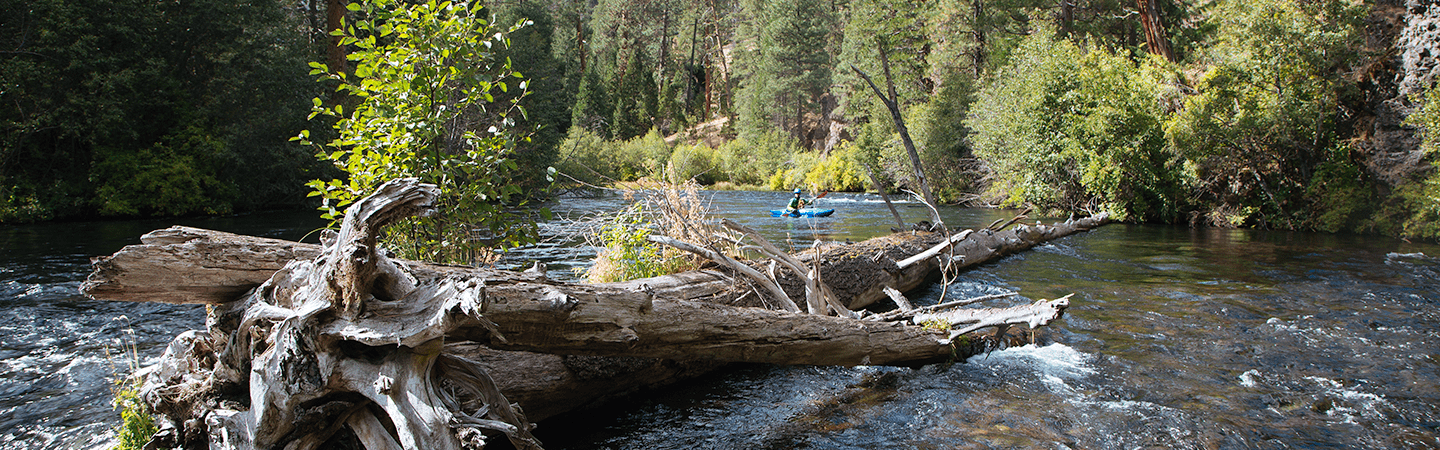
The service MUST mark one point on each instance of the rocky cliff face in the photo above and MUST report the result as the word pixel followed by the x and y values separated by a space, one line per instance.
pixel 1405 37
pixel 1418 46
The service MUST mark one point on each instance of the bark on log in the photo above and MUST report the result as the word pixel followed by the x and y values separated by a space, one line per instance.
pixel 859 272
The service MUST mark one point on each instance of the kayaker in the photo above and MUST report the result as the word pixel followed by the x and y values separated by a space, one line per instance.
pixel 793 208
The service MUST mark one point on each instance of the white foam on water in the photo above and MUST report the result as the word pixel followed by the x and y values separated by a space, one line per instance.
pixel 1247 379
pixel 866 200
pixel 32 290
pixel 96 436
pixel 1350 403
pixel 1058 361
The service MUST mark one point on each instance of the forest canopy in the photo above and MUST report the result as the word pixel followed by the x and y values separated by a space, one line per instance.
pixel 1223 112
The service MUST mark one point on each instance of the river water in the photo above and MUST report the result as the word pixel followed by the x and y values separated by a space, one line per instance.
pixel 1176 338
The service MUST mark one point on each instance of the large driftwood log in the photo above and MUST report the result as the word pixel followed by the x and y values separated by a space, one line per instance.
pixel 190 265
pixel 352 340
pixel 860 272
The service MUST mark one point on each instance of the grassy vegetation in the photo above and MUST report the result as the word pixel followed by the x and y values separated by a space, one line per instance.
pixel 626 253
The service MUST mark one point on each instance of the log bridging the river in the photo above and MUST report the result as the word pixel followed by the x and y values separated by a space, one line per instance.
pixel 343 339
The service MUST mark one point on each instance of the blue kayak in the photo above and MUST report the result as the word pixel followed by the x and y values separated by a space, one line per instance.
pixel 803 212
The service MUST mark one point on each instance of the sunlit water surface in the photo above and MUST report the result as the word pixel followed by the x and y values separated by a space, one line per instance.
pixel 1177 338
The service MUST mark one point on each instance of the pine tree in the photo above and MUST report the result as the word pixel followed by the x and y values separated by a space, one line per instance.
pixel 593 109
pixel 635 98
pixel 791 66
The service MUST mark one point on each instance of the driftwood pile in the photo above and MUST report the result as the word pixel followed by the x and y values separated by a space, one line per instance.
pixel 340 345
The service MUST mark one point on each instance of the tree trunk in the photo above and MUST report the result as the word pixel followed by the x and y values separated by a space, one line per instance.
pixel 1067 17
pixel 1156 40
pixel 892 103
pixel 977 56
pixel 875 182
pixel 335 53
pixel 344 337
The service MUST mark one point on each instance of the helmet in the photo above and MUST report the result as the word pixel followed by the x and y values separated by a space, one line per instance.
pixel 797 190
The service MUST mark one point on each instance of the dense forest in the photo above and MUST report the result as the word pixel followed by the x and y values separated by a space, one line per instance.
pixel 1289 114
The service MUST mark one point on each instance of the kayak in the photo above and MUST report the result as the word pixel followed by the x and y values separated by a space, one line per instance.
pixel 803 212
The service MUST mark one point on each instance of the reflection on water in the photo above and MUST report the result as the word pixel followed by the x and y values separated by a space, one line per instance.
pixel 1177 338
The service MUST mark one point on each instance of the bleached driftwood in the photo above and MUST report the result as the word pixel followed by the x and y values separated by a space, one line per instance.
pixel 351 341
pixel 347 337
pixel 818 297
pixel 933 251
pixel 776 292
pixel 1034 315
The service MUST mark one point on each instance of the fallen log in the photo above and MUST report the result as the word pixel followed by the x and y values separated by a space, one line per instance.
pixel 350 340
pixel 860 272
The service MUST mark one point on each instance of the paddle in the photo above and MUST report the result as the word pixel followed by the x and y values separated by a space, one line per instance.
pixel 822 195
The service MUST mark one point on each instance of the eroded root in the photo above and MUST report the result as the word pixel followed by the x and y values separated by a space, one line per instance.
pixel 347 341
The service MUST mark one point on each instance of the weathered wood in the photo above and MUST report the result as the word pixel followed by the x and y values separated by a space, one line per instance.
pixel 818 297
pixel 323 337
pixel 907 262
pixel 187 265
pixel 191 265
pixel 590 320
pixel 907 312
pixel 899 298
pixel 1034 315
pixel 776 292
pixel 859 272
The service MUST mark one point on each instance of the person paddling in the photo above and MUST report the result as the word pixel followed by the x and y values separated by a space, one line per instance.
pixel 793 208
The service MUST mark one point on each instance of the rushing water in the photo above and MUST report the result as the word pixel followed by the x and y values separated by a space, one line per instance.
pixel 1176 338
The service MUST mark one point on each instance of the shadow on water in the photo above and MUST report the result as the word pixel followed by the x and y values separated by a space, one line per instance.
pixel 1177 338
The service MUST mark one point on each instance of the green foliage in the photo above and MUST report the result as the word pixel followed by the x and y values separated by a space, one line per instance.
pixel 935 325
pixel 1420 203
pixel 1266 109
pixel 1339 192
pixel 173 178
pixel 751 161
pixel 792 174
pixel 626 251
pixel 693 162
pixel 591 159
pixel 635 98
pixel 426 78
pixel 939 127
pixel 898 27
pixel 839 171
pixel 1414 208
pixel 593 109
pixel 197 98
pixel 788 68
pixel 547 116
pixel 642 156
pixel 1078 129
pixel 584 156
pixel 137 424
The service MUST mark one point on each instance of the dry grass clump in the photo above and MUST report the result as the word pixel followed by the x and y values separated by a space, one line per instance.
pixel 675 210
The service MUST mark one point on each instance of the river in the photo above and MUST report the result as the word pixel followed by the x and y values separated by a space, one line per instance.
pixel 1176 338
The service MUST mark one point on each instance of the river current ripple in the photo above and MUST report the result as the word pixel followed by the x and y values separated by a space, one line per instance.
pixel 1177 338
